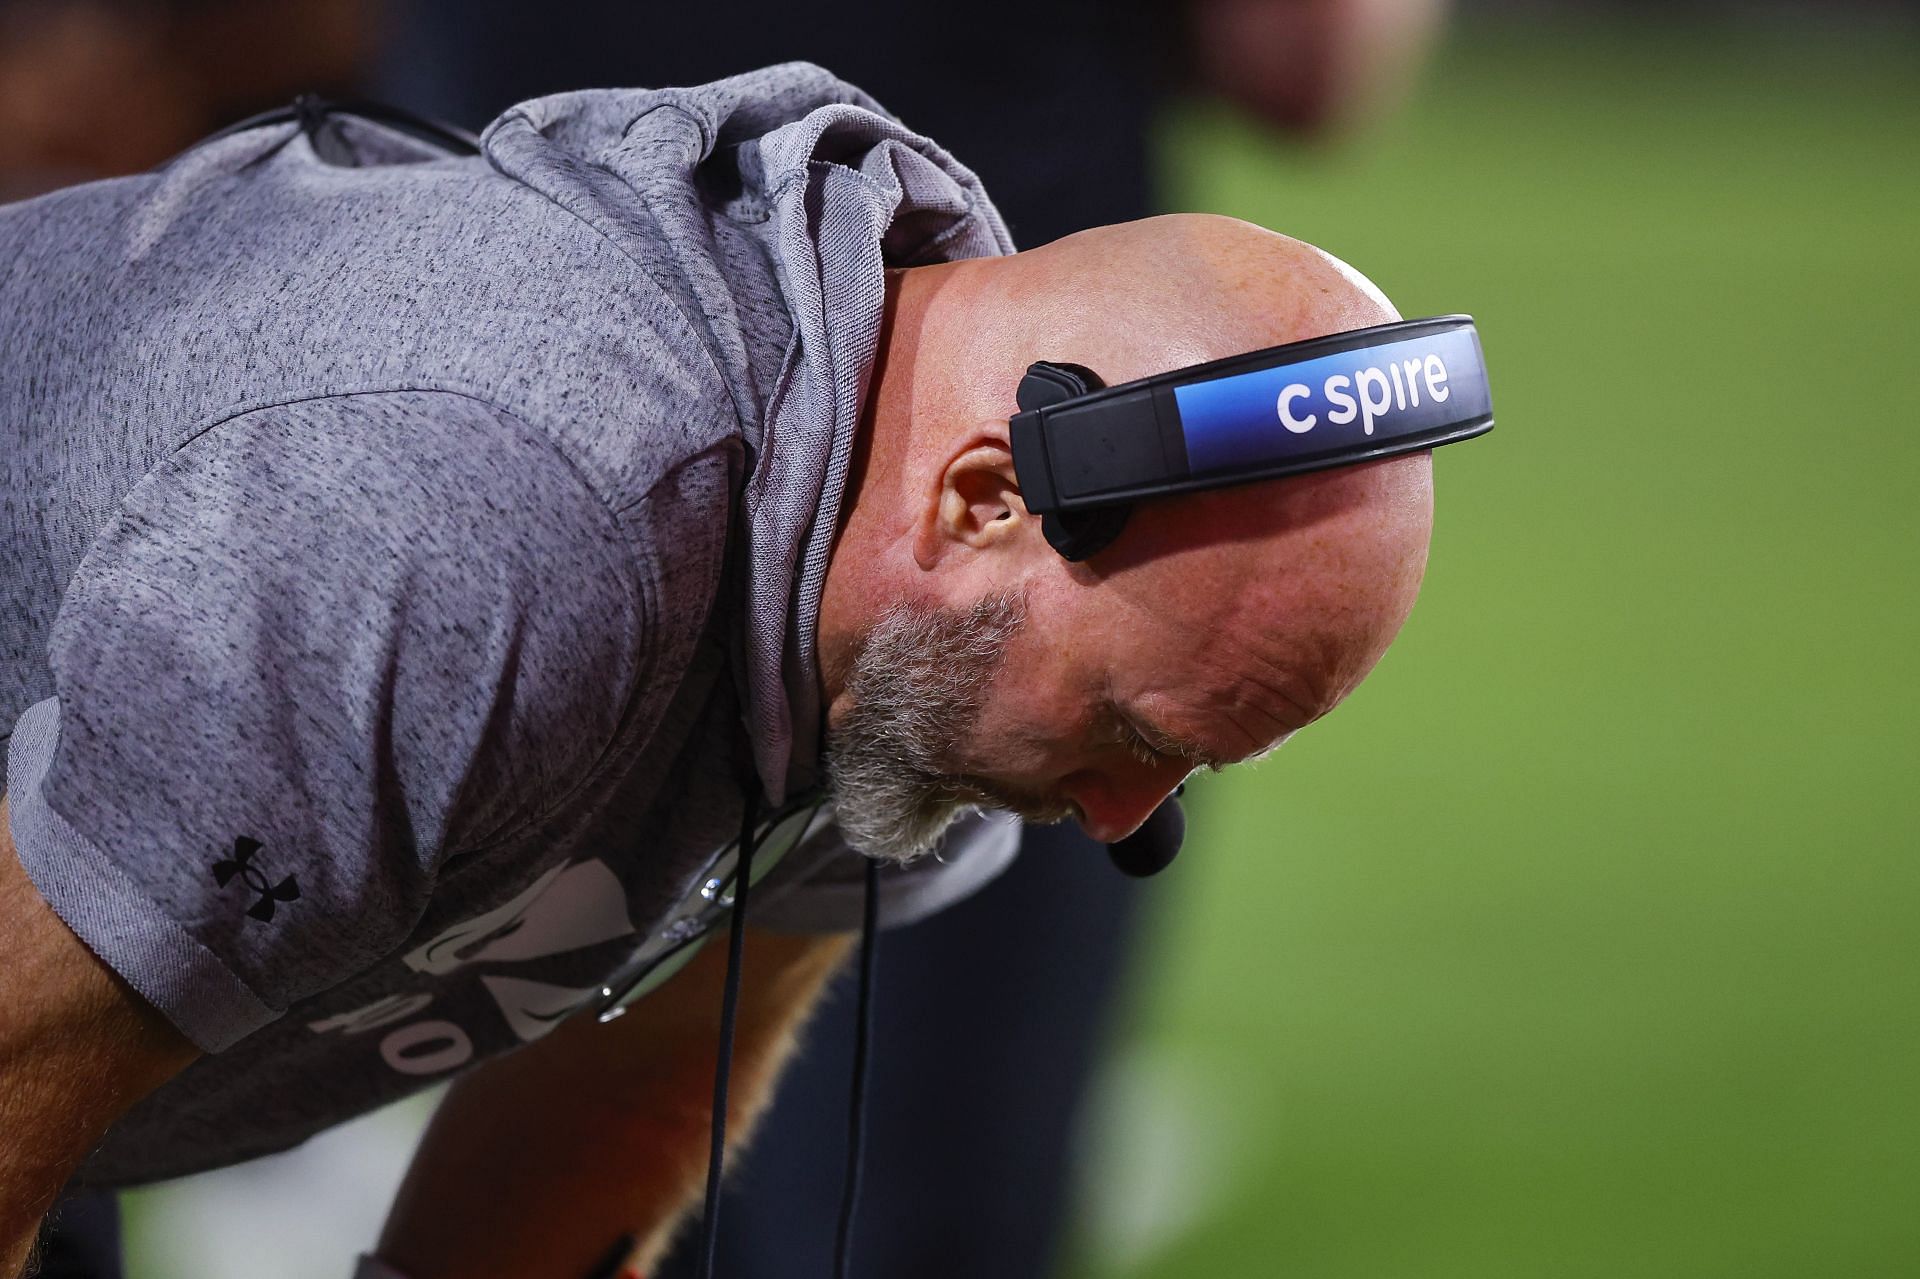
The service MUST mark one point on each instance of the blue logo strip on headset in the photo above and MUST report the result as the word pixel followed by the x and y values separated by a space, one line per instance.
pixel 1084 452
pixel 1372 394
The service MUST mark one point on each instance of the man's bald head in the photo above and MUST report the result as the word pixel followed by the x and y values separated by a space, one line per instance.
pixel 1162 293
pixel 1217 623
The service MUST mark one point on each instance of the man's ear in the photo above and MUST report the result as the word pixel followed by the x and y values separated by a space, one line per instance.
pixel 975 504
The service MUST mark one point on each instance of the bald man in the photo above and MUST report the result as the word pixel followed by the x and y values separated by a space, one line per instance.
pixel 420 569
pixel 1219 626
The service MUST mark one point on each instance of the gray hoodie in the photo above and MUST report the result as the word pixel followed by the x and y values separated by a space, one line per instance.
pixel 409 563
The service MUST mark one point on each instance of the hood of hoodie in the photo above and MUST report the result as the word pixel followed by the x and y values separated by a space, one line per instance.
pixel 767 206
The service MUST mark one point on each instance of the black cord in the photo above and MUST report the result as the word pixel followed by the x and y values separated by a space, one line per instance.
pixel 729 1007
pixel 863 1035
pixel 310 112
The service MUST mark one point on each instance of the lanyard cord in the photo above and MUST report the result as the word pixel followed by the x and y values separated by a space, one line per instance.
pixel 724 1064
pixel 863 1035
pixel 729 1008
pixel 857 1105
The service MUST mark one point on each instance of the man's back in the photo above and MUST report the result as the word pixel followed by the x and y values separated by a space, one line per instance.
pixel 140 315
pixel 376 655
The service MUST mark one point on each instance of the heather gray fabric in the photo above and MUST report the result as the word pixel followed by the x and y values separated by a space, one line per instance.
pixel 407 559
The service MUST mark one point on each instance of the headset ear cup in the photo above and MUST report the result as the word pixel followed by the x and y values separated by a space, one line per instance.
pixel 1075 534
pixel 1048 382
pixel 1087 378
pixel 1079 534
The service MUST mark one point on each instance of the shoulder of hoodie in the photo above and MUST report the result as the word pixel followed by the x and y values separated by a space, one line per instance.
pixel 414 271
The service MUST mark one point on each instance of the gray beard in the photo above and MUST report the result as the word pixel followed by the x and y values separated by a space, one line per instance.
pixel 916 688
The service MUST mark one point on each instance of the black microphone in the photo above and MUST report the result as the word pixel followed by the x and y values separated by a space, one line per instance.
pixel 1152 848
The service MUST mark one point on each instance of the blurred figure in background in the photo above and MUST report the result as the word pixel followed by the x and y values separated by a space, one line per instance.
pixel 990 1019
pixel 1049 102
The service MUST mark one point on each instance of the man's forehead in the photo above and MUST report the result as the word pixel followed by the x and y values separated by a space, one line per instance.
pixel 1262 649
pixel 1236 701
pixel 1304 557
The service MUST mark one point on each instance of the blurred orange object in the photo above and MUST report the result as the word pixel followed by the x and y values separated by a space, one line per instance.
pixel 1312 66
pixel 95 88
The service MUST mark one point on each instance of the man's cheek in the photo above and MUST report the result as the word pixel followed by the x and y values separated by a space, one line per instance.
pixel 1009 743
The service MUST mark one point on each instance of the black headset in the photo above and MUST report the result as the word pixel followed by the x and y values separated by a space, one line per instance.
pixel 1085 452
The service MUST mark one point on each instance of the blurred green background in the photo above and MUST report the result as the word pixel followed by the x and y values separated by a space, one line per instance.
pixel 1582 942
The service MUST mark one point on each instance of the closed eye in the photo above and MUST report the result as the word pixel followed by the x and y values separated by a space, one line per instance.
pixel 1148 745
pixel 1139 747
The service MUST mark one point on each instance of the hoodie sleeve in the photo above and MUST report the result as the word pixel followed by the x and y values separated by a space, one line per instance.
pixel 323 649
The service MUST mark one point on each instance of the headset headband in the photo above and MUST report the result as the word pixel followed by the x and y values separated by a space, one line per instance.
pixel 1084 453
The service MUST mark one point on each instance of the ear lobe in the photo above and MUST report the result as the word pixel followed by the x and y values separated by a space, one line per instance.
pixel 977 505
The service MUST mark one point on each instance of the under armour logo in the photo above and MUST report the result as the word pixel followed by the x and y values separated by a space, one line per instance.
pixel 241 864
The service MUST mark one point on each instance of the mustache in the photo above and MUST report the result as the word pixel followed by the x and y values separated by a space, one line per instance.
pixel 977 792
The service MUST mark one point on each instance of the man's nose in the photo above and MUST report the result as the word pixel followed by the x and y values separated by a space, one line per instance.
pixel 1113 808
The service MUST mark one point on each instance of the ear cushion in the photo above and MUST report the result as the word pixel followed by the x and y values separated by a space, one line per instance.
pixel 1079 534
pixel 1075 534
pixel 1048 382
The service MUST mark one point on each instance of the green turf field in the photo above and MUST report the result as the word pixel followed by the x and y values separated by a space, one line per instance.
pixel 1585 941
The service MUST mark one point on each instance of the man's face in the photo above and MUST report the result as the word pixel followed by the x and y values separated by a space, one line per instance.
pixel 1216 628
pixel 1096 719
pixel 1093 693
pixel 1108 699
